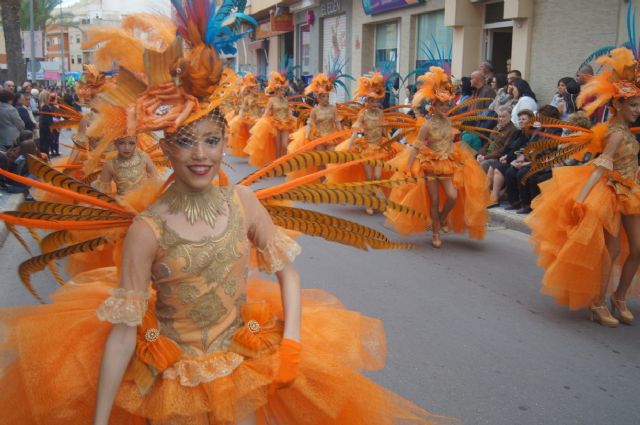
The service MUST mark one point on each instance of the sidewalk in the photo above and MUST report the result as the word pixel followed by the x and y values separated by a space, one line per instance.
pixel 508 219
pixel 8 202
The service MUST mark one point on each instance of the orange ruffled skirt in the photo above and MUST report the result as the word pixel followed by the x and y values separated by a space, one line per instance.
pixel 261 145
pixel 239 134
pixel 51 357
pixel 470 211
pixel 574 254
pixel 360 146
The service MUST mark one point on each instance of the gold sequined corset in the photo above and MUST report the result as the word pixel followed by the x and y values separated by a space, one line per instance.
pixel 254 106
pixel 129 173
pixel 440 135
pixel 373 131
pixel 625 159
pixel 280 108
pixel 325 122
pixel 201 284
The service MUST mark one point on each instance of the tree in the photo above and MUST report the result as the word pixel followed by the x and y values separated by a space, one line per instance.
pixel 45 12
pixel 13 40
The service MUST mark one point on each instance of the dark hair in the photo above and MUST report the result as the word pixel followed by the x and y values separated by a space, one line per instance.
pixel 549 112
pixel 501 80
pixel 524 89
pixel 527 112
pixel 515 71
pixel 16 97
pixel 6 96
pixel 465 86
pixel 566 81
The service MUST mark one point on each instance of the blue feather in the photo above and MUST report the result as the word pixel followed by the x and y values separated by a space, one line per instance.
pixel 603 51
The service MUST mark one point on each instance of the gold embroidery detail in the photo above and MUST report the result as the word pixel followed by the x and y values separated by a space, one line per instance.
pixel 152 334
pixel 253 326
pixel 207 205
pixel 129 173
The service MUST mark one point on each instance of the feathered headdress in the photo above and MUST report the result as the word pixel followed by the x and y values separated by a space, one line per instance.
pixel 371 87
pixel 620 79
pixel 331 80
pixel 434 85
pixel 249 80
pixel 320 84
pixel 277 80
pixel 92 83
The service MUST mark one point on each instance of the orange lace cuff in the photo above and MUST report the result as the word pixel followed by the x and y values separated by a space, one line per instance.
pixel 125 306
pixel 273 256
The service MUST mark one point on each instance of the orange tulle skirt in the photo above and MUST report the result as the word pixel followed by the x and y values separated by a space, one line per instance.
pixel 470 211
pixel 574 254
pixel 261 145
pixel 51 357
pixel 239 134
pixel 357 172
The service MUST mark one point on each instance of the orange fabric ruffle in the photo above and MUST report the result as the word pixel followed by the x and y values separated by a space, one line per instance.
pixel 360 146
pixel 261 145
pixel 470 211
pixel 574 255
pixel 288 124
pixel 51 357
pixel 238 135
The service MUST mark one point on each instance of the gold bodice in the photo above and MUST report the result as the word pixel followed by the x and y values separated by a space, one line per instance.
pixel 625 159
pixel 325 119
pixel 253 105
pixel 130 173
pixel 439 134
pixel 372 125
pixel 280 108
pixel 200 284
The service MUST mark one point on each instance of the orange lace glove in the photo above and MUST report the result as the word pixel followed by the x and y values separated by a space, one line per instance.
pixel 289 362
pixel 577 211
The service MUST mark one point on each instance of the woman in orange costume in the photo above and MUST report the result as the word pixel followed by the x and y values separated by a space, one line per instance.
pixel 200 345
pixel 587 218
pixel 270 135
pixel 446 169
pixel 251 109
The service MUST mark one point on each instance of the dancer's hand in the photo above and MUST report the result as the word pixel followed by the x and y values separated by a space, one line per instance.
pixel 577 211
pixel 289 362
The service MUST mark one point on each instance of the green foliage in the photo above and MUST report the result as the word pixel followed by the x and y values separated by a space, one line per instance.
pixel 45 12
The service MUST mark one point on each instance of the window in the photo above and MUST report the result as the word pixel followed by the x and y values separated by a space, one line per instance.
pixel 73 60
pixel 434 39
pixel 386 44
pixel 79 59
pixel 305 49
pixel 78 39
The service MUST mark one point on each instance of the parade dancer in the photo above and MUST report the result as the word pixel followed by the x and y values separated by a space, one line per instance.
pixel 251 109
pixel 446 169
pixel 587 219
pixel 201 344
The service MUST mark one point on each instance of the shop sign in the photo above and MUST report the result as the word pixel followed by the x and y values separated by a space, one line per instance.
pixel 263 30
pixel 373 7
pixel 282 23
pixel 330 7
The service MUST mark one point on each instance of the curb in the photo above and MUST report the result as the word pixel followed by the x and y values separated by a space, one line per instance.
pixel 509 220
pixel 11 203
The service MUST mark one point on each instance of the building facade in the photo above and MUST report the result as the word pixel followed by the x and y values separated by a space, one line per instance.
pixel 544 39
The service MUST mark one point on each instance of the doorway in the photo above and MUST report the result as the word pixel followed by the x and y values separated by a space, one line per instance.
pixel 497 47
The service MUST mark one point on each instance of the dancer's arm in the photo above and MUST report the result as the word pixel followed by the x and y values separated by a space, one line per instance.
pixel 336 117
pixel 354 134
pixel 268 110
pixel 138 253
pixel 604 164
pixel 311 122
pixel 152 171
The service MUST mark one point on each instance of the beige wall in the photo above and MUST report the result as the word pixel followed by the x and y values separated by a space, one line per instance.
pixel 564 33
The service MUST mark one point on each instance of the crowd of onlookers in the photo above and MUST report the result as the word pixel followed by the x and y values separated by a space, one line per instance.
pixel 26 126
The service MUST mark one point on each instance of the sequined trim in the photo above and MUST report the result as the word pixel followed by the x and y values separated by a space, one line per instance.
pixel 192 371
pixel 272 257
pixel 125 306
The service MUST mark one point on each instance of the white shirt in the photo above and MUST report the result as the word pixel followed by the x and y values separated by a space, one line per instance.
pixel 525 102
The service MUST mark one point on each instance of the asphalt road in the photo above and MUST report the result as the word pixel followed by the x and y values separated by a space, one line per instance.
pixel 468 333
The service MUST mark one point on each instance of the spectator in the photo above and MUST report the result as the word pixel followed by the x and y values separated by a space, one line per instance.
pixel 508 65
pixel 47 133
pixel 503 98
pixel 508 154
pixel 513 75
pixel 33 101
pixel 490 153
pixel 481 89
pixel 518 193
pixel 21 103
pixel 10 85
pixel 524 97
pixel 487 70
pixel 43 98
pixel 584 74
pixel 10 122
pixel 466 90
pixel 26 87
pixel 563 99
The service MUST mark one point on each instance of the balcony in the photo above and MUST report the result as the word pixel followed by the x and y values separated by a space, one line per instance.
pixel 259 9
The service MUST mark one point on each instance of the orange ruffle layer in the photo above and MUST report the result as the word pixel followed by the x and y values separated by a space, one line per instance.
pixel 574 254
pixel 470 211
pixel 52 353
pixel 239 134
pixel 356 173
pixel 261 145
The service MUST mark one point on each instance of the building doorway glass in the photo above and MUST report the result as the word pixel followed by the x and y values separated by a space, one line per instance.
pixel 498 43
pixel 386 44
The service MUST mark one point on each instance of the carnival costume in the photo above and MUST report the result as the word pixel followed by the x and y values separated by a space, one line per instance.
pixel 251 109
pixel 439 157
pixel 261 146
pixel 209 342
pixel 569 237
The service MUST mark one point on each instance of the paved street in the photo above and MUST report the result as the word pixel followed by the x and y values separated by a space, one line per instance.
pixel 469 335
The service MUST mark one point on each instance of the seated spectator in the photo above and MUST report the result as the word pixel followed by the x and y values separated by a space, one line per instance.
pixel 486 68
pixel 508 154
pixel 503 98
pixel 563 100
pixel 519 193
pixel 472 140
pixel 15 160
pixel 21 103
pixel 466 91
pixel 489 154
pixel 525 99
pixel 10 122
pixel 481 89
pixel 513 75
